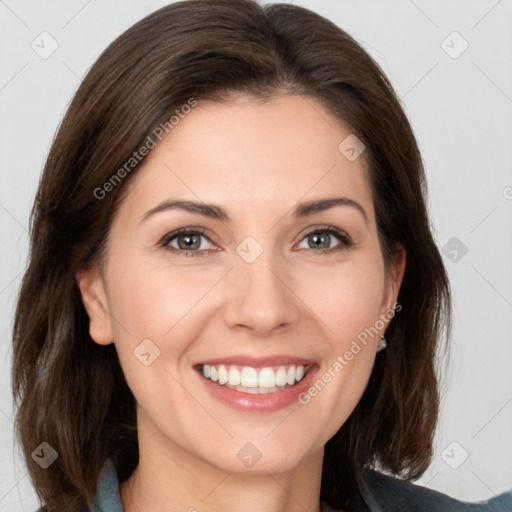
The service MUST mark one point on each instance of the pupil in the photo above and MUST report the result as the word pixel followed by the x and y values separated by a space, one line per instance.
pixel 189 241
pixel 317 237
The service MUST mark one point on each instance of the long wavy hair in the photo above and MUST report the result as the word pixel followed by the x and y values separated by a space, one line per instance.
pixel 71 392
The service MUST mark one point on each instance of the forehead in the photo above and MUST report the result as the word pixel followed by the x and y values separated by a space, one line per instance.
pixel 254 155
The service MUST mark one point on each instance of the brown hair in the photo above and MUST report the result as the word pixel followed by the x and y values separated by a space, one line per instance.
pixel 70 392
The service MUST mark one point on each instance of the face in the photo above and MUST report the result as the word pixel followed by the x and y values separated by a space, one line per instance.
pixel 247 326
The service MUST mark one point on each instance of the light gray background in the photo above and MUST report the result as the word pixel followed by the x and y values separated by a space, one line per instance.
pixel 461 111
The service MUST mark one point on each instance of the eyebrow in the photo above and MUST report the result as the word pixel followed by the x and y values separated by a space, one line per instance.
pixel 218 213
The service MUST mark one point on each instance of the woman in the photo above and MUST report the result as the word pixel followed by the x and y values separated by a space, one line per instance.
pixel 234 299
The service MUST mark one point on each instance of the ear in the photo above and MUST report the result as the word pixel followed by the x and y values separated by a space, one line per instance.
pixel 94 298
pixel 396 274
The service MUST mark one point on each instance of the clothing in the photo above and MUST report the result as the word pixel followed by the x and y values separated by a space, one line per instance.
pixel 381 493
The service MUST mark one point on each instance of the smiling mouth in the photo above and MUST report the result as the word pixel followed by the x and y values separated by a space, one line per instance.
pixel 247 379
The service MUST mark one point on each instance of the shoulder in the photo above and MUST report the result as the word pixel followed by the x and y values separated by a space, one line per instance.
pixel 382 492
pixel 107 498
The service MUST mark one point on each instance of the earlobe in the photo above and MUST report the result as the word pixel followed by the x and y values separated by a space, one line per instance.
pixel 90 284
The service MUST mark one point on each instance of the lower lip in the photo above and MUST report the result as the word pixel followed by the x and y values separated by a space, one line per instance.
pixel 264 402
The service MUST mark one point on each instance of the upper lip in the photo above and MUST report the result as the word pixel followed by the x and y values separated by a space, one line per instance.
pixel 257 362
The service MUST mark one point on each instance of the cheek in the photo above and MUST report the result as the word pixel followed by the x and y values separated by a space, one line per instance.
pixel 348 299
pixel 164 304
pixel 151 300
pixel 153 308
pixel 348 308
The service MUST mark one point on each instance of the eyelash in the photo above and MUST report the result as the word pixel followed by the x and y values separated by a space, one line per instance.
pixel 345 240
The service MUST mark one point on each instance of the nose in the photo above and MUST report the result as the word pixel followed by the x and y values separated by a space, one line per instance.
pixel 261 297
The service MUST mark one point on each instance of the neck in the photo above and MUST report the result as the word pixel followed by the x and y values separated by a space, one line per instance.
pixel 169 478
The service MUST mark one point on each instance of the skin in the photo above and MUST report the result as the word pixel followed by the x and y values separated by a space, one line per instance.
pixel 257 161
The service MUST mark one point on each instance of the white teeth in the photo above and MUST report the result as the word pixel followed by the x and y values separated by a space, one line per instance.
pixel 299 373
pixel 257 391
pixel 267 378
pixel 290 376
pixel 252 391
pixel 234 376
pixel 223 374
pixel 255 380
pixel 249 377
pixel 281 377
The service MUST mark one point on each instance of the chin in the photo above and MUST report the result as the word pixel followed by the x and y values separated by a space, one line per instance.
pixel 259 457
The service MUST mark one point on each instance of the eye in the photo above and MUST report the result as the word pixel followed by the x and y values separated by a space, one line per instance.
pixel 188 241
pixel 321 238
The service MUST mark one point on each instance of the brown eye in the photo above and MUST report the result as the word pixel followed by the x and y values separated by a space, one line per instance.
pixel 191 241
